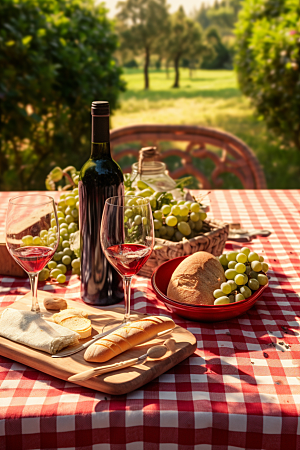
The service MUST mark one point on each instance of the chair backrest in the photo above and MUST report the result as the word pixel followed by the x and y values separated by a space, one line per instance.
pixel 228 153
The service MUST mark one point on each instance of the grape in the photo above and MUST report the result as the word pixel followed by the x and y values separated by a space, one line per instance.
pixel 218 293
pixel 261 259
pixel 253 274
pixel 128 212
pixel 245 291
pixel 146 193
pixel 195 207
pixel 76 271
pixel 77 204
pixel 61 278
pixel 188 204
pixel 262 279
pixel 166 209
pixel 223 260
pixel 132 201
pixel 52 265
pixel 72 228
pixel 245 250
pixel 240 268
pixel 265 267
pixel 256 266
pixel 75 263
pixel 231 264
pixel 62 268
pixel 184 228
pixel 69 218
pixel 183 218
pixel 65 244
pixel 75 191
pixel 44 274
pixel 57 256
pixel 253 257
pixel 27 240
pixel 181 202
pixel 170 231
pixel 175 210
pixel 63 225
pixel 226 288
pixel 138 219
pixel 239 297
pixel 70 200
pixel 158 215
pixel 232 284
pixel 36 240
pixel 231 256
pixel 191 224
pixel 241 258
pixel 253 284
pixel 61 220
pixel 55 272
pixel 74 213
pixel 53 222
pixel 153 202
pixel 157 224
pixel 203 215
pixel 184 210
pixel 230 274
pixel 163 230
pixel 195 217
pixel 60 214
pixel 198 225
pixel 43 233
pixel 66 259
pixel 239 279
pixel 171 221
pixel 248 270
pixel 222 300
pixel 178 236
pixel 144 221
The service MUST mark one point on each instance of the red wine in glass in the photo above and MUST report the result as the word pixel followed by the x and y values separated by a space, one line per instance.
pixel 33 259
pixel 32 235
pixel 128 259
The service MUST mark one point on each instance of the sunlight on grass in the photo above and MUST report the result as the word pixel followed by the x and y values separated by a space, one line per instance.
pixel 209 98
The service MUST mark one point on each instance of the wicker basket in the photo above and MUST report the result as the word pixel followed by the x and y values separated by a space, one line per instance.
pixel 212 240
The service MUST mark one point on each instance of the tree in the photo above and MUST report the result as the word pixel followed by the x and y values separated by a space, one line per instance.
pixel 142 24
pixel 222 57
pixel 185 40
pixel 55 58
pixel 268 63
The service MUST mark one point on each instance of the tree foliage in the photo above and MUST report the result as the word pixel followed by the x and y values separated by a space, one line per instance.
pixel 55 58
pixel 142 25
pixel 185 40
pixel 268 63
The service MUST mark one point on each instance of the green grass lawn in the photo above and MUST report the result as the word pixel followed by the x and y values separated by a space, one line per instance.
pixel 209 98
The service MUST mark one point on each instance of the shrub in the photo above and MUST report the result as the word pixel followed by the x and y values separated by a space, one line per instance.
pixel 268 63
pixel 55 59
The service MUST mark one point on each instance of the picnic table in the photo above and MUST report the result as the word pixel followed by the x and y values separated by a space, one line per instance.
pixel 239 390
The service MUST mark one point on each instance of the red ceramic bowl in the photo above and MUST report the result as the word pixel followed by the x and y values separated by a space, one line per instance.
pixel 160 280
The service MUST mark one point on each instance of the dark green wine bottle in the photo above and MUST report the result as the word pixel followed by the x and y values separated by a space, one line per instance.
pixel 100 178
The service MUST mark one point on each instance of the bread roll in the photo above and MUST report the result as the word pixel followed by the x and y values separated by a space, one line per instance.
pixel 195 279
pixel 127 337
pixel 80 324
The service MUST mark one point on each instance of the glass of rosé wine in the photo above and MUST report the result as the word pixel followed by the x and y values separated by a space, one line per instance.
pixel 127 238
pixel 32 235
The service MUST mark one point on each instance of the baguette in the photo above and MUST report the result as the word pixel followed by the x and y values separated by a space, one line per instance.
pixel 127 337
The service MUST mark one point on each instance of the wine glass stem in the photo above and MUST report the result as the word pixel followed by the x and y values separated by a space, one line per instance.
pixel 127 291
pixel 33 277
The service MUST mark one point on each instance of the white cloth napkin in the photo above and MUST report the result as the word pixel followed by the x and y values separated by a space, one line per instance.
pixel 28 328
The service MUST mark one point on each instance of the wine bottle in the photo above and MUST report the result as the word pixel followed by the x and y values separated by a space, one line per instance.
pixel 100 178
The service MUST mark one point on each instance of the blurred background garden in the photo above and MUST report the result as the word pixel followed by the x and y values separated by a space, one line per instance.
pixel 227 64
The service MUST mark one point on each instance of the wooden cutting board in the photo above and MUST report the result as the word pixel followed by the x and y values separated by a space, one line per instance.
pixel 117 383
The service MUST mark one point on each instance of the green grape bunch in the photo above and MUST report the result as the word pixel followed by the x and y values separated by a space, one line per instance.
pixel 67 255
pixel 174 220
pixel 245 272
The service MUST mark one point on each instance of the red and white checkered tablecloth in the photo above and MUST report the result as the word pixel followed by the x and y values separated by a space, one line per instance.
pixel 237 391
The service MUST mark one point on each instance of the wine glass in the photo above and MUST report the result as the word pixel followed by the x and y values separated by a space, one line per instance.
pixel 127 238
pixel 32 235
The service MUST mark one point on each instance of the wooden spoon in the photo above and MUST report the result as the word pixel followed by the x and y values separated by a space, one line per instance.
pixel 153 352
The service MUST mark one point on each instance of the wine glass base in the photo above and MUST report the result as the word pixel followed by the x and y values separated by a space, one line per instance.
pixel 115 323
